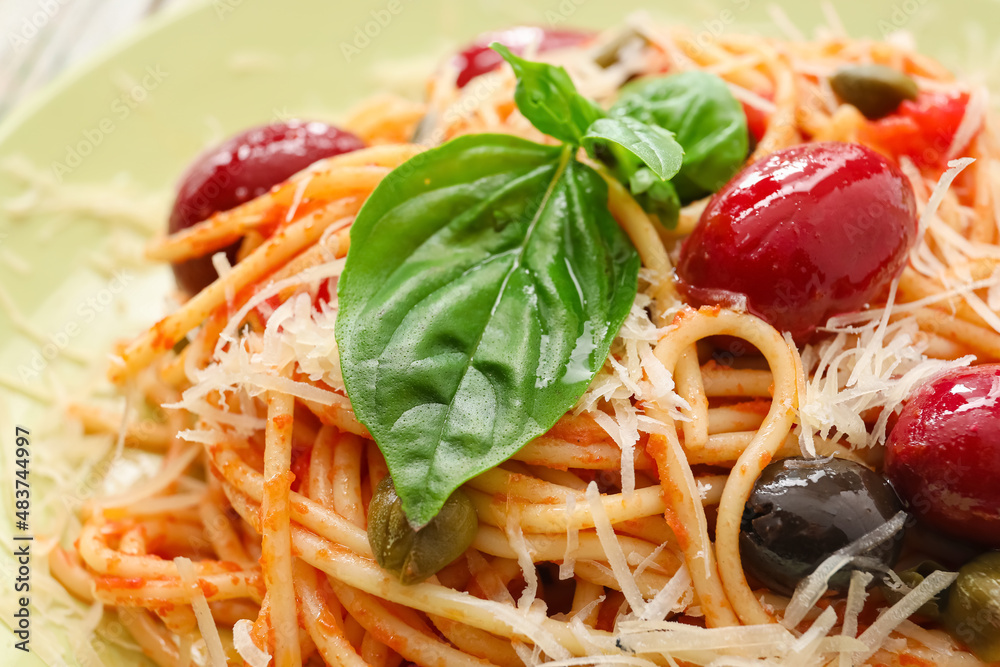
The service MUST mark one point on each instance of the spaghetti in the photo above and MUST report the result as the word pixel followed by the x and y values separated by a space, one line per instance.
pixel 624 515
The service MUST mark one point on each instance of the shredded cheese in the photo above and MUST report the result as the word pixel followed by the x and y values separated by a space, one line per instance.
pixel 243 641
pixel 566 568
pixel 921 257
pixel 810 589
pixel 521 624
pixel 879 631
pixel 603 660
pixel 632 375
pixel 874 366
pixel 856 596
pixel 613 550
pixel 804 648
pixel 972 121
pixel 668 599
pixel 516 538
pixel 203 614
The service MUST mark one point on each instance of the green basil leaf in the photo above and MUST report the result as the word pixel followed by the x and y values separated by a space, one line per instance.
pixel 546 96
pixel 656 196
pixel 642 180
pixel 706 120
pixel 655 146
pixel 485 282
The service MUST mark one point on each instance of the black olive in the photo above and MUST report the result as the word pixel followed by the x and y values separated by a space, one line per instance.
pixel 803 510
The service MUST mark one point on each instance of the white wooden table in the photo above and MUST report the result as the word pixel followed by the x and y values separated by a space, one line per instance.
pixel 40 38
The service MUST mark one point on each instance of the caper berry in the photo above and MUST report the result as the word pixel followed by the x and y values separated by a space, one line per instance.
pixel 972 612
pixel 411 554
pixel 876 90
pixel 912 578
pixel 803 510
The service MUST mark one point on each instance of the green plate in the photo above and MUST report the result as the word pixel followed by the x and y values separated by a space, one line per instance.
pixel 135 115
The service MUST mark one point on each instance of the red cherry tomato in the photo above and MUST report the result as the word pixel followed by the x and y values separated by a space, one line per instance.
pixel 478 58
pixel 756 121
pixel 921 129
pixel 243 167
pixel 806 233
pixel 943 456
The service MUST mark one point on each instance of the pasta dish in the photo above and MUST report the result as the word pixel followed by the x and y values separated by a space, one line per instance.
pixel 616 349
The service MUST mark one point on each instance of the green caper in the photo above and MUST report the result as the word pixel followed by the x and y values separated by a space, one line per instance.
pixel 913 578
pixel 411 554
pixel 972 613
pixel 876 90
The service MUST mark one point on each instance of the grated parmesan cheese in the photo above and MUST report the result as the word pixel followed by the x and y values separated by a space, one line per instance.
pixel 875 366
pixel 856 596
pixel 603 660
pixel 220 262
pixel 879 631
pixel 566 568
pixel 804 648
pixel 203 614
pixel 613 550
pixel 921 257
pixel 972 121
pixel 810 589
pixel 243 642
pixel 524 625
pixel 529 655
pixel 297 334
pixel 631 376
pixel 516 538
pixel 669 598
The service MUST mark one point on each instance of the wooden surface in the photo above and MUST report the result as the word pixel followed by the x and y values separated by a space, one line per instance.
pixel 41 38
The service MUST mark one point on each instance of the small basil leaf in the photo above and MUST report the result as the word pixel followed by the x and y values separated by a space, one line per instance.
pixel 642 180
pixel 706 120
pixel 656 196
pixel 546 96
pixel 481 294
pixel 655 146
